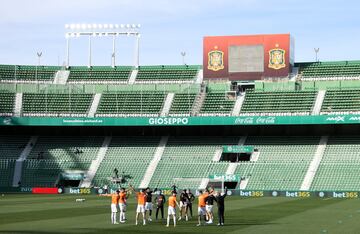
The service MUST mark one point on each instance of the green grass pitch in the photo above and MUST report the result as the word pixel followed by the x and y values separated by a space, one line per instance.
pixel 61 214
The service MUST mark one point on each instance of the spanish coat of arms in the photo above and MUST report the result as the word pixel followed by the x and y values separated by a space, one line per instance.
pixel 277 58
pixel 215 60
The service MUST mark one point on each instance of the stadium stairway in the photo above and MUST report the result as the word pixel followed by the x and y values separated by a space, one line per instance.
pixel 242 140
pixel 318 102
pixel 19 162
pixel 167 104
pixel 199 76
pixel 133 76
pixel 61 77
pixel 204 183
pixel 18 104
pixel 255 156
pixel 243 183
pixel 315 163
pixel 216 158
pixel 238 104
pixel 232 166
pixel 94 105
pixel 154 162
pixel 90 174
pixel 198 103
pixel 217 155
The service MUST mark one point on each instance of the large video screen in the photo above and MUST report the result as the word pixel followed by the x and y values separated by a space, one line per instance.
pixel 246 58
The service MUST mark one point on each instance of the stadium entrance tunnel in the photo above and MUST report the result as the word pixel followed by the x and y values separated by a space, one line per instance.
pixel 70 179
pixel 242 86
pixel 218 184
pixel 235 157
pixel 69 183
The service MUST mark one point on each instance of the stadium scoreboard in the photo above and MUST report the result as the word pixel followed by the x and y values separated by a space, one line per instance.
pixel 251 57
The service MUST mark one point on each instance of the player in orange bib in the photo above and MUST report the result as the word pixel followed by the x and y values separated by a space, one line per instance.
pixel 202 205
pixel 123 196
pixel 114 204
pixel 141 199
pixel 172 209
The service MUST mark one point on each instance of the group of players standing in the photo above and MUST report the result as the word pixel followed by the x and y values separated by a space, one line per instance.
pixel 144 207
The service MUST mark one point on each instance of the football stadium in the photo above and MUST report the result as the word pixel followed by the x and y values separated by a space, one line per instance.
pixel 278 140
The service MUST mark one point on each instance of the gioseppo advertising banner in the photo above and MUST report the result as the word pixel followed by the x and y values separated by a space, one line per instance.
pixel 182 121
pixel 247 57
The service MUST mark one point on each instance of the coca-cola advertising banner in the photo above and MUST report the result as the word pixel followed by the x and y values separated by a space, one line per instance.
pixel 251 57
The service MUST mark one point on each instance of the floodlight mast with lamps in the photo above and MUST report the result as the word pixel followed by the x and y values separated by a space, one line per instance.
pixel 102 30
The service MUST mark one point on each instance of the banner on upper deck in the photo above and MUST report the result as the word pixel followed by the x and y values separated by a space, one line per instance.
pixel 181 121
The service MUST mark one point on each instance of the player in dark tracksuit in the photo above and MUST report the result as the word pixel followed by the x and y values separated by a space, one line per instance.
pixel 160 201
pixel 220 200
pixel 148 204
pixel 191 199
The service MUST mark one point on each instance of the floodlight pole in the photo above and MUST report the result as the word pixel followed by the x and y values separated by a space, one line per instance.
pixel 38 64
pixel 137 50
pixel 67 52
pixel 183 53
pixel 316 54
pixel 100 30
pixel 89 65
pixel 113 52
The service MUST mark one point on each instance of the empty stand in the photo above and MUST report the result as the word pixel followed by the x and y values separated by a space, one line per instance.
pixel 98 74
pixel 53 155
pixel 278 103
pixel 217 104
pixel 282 162
pixel 7 167
pixel 130 155
pixel 131 104
pixel 340 165
pixel 189 157
pixel 56 104
pixel 341 102
pixel 182 104
pixel 330 70
pixel 174 74
pixel 12 146
pixel 7 102
pixel 28 73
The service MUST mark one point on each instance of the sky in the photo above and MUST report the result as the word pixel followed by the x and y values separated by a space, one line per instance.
pixel 169 27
